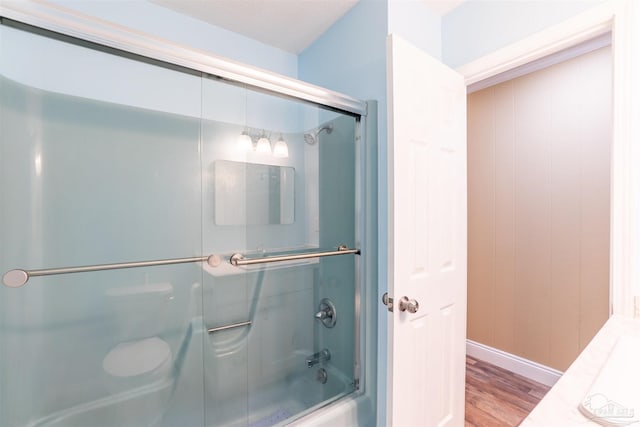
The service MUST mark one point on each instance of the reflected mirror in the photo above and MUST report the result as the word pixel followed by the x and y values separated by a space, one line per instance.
pixel 251 193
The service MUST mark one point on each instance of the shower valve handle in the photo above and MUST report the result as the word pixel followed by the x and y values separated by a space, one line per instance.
pixel 327 313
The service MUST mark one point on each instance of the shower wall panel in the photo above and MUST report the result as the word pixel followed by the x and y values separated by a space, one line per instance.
pixel 336 279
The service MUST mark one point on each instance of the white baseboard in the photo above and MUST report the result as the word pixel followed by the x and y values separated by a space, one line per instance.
pixel 532 370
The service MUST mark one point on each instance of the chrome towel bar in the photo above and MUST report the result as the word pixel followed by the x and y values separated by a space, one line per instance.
pixel 239 259
pixel 225 327
pixel 17 278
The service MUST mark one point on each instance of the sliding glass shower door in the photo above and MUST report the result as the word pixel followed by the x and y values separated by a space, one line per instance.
pixel 282 334
pixel 141 208
pixel 99 164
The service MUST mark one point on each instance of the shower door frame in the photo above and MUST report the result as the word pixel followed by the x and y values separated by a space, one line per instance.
pixel 69 25
pixel 66 22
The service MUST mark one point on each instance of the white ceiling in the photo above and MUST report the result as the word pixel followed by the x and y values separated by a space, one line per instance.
pixel 291 25
pixel 442 7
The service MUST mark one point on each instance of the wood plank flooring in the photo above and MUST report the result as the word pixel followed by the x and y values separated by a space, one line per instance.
pixel 496 397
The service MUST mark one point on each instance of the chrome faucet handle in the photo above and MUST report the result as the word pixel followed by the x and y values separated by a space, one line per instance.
pixel 327 313
pixel 323 314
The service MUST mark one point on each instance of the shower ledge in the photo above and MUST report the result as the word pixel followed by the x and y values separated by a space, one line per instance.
pixel 226 269
pixel 600 367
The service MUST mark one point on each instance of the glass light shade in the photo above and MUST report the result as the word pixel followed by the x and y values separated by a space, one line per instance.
pixel 263 146
pixel 281 149
pixel 244 142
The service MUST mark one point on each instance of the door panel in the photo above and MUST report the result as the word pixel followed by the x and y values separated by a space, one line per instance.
pixel 427 150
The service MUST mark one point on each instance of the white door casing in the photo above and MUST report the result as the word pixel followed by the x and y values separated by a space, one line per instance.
pixel 427 253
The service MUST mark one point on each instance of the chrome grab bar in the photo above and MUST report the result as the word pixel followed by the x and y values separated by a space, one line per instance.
pixel 225 327
pixel 239 259
pixel 17 278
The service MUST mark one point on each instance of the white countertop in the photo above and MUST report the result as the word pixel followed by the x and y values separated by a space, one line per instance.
pixel 560 406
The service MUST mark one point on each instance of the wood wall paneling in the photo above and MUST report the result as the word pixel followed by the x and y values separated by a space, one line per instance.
pixel 505 241
pixel 539 175
pixel 481 218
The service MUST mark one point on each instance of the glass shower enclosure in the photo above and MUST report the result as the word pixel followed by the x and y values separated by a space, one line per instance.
pixel 176 248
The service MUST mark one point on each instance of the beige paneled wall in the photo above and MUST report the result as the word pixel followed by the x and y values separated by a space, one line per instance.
pixel 539 174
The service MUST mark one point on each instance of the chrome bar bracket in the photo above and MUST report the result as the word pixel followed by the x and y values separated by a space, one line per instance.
pixel 236 259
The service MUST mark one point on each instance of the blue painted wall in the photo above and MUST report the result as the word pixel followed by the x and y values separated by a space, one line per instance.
pixel 416 23
pixel 351 58
pixel 479 27
pixel 169 25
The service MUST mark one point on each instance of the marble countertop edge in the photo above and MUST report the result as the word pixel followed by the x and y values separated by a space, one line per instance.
pixel 559 408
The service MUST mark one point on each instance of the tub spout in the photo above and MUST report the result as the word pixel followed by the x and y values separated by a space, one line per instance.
pixel 315 358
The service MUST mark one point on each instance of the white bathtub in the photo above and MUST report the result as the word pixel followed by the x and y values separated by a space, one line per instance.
pixel 238 395
pixel 298 399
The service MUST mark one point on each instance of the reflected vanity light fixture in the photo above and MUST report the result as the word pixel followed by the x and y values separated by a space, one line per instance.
pixel 244 141
pixel 262 144
pixel 280 149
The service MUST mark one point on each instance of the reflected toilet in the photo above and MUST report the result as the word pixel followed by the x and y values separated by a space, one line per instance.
pixel 139 357
pixel 150 357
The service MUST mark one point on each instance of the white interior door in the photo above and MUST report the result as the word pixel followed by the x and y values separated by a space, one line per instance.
pixel 428 255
